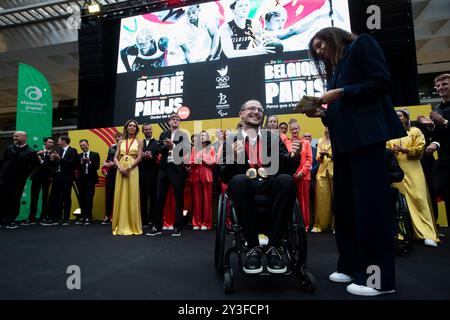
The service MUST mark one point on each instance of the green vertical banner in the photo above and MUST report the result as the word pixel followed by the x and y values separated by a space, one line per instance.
pixel 34 116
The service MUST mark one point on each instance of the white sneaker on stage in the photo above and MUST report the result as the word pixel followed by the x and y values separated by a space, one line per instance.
pixel 340 277
pixel 430 243
pixel 365 291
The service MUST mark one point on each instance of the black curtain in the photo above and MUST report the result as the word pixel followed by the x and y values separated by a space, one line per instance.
pixel 98 41
pixel 396 38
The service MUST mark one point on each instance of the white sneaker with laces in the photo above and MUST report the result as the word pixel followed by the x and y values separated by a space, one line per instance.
pixel 430 243
pixel 365 291
pixel 340 277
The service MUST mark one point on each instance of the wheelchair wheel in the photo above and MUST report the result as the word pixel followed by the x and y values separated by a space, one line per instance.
pixel 403 251
pixel 297 239
pixel 219 250
pixel 307 282
pixel 228 281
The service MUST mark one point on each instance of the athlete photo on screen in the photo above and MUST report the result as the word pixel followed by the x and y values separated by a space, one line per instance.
pixel 197 35
pixel 296 36
pixel 242 36
pixel 148 54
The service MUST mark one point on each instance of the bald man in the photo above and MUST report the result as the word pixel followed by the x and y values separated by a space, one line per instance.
pixel 18 163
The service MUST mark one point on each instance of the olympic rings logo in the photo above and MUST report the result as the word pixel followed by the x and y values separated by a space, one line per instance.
pixel 222 80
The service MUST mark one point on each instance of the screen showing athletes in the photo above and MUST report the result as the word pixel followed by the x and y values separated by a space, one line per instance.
pixel 224 29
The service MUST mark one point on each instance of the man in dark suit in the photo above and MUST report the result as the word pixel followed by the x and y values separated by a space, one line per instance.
pixel 89 162
pixel 109 169
pixel 360 118
pixel 148 176
pixel 440 117
pixel 173 145
pixel 247 172
pixel 18 163
pixel 65 162
pixel 41 179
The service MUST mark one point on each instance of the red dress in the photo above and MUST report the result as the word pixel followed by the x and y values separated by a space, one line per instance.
pixel 303 183
pixel 202 162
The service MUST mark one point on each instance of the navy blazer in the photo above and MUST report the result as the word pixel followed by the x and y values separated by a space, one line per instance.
pixel 65 167
pixel 364 114
pixel 180 138
pixel 19 163
pixel 92 167
pixel 147 165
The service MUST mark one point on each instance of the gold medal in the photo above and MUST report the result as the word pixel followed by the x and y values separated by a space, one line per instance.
pixel 251 173
pixel 262 173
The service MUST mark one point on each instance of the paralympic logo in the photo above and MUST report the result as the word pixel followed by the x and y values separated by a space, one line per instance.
pixel 33 93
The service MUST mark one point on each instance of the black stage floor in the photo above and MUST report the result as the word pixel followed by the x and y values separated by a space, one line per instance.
pixel 34 261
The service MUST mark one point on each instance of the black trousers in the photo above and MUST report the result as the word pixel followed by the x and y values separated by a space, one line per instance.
pixel 441 176
pixel 36 186
pixel 281 189
pixel 10 194
pixel 86 191
pixel 173 176
pixel 61 199
pixel 147 187
pixel 364 218
pixel 110 184
pixel 427 163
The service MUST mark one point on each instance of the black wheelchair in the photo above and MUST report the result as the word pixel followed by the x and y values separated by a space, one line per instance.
pixel 294 243
pixel 403 226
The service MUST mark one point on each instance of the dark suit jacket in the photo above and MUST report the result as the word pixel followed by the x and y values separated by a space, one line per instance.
pixel 441 133
pixel 286 163
pixel 364 115
pixel 149 164
pixel 67 165
pixel 180 139
pixel 18 163
pixel 110 157
pixel 44 171
pixel 92 167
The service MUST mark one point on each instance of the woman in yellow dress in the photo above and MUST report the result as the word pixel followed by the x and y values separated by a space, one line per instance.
pixel 127 208
pixel 408 151
pixel 323 220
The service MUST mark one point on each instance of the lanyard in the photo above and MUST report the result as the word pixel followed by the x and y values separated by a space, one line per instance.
pixel 127 147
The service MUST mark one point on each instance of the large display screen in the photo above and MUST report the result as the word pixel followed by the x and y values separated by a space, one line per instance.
pixel 203 61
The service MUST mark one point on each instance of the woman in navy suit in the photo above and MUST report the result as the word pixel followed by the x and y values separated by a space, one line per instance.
pixel 360 118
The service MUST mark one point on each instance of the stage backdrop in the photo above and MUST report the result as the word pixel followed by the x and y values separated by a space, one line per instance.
pixel 194 60
pixel 101 139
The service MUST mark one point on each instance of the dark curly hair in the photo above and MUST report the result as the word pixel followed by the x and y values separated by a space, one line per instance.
pixel 336 39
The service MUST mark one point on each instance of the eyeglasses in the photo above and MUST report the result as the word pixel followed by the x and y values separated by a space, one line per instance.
pixel 253 109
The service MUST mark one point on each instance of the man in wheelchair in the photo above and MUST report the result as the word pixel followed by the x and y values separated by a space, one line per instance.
pixel 255 161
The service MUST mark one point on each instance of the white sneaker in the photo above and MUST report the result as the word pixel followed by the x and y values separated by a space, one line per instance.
pixel 165 228
pixel 195 228
pixel 365 291
pixel 204 228
pixel 430 243
pixel 340 277
pixel 315 230
pixel 170 228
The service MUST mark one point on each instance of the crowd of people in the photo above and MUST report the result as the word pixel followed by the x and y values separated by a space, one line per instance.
pixel 342 184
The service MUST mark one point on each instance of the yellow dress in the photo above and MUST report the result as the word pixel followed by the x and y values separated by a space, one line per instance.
pixel 127 207
pixel 323 220
pixel 414 186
